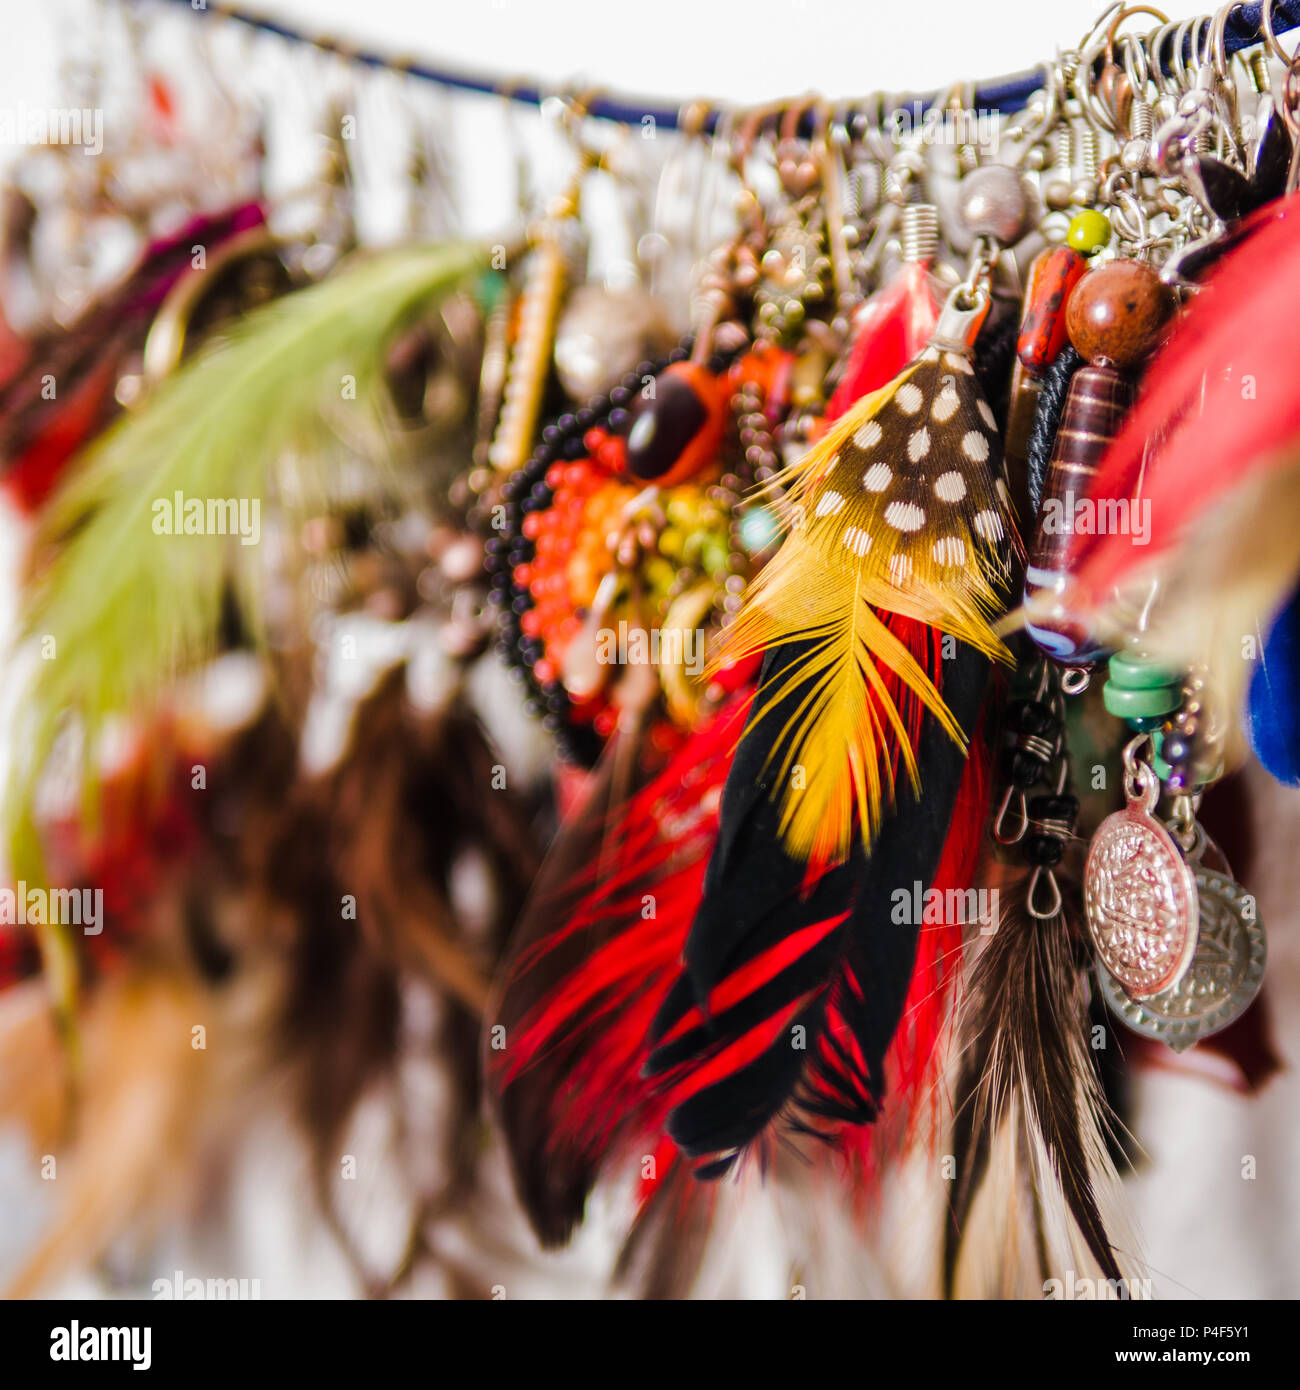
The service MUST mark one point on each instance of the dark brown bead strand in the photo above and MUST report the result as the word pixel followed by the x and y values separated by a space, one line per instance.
pixel 1095 408
pixel 1114 315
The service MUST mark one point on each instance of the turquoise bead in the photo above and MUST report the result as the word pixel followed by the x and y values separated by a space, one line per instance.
pixel 1138 673
pixel 1141 692
pixel 1153 703
pixel 1158 764
pixel 759 529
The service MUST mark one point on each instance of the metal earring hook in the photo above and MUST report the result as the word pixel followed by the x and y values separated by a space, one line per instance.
pixel 1136 61
pixel 1270 35
pixel 1028 133
pixel 1217 38
pixel 831 164
pixel 1101 42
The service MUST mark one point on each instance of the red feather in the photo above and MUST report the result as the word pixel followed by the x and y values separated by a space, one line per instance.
pixel 926 1014
pixel 890 330
pixel 589 971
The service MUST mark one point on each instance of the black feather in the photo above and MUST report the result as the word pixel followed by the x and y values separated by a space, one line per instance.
pixel 753 900
pixel 995 350
pixel 752 885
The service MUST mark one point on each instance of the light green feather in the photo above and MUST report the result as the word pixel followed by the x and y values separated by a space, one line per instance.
pixel 121 610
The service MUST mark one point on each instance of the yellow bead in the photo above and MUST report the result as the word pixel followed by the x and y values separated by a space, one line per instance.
pixel 1089 231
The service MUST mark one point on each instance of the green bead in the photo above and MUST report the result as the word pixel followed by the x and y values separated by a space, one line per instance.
pixel 1146 725
pixel 1158 764
pixel 1141 673
pixel 713 556
pixel 1140 704
pixel 1088 231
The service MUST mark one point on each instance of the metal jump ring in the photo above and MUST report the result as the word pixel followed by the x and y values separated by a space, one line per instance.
pixel 1075 679
pixel 999 831
pixel 1134 766
pixel 1054 903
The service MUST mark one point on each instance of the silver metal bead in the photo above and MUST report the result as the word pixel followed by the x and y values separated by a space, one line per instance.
pixel 1056 194
pixel 995 201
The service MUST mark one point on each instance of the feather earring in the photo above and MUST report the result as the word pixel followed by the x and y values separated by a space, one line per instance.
pixel 900 508
pixel 901 543
pixel 40 434
pixel 592 959
pixel 793 994
pixel 130 605
pixel 1026 1066
pixel 573 1008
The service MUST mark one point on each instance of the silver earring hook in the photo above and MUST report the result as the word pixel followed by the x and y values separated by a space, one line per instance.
pixel 1270 34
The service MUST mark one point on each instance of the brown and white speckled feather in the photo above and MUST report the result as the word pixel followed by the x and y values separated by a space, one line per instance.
pixel 902 507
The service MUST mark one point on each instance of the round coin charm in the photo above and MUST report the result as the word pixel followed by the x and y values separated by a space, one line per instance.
pixel 1226 972
pixel 1140 897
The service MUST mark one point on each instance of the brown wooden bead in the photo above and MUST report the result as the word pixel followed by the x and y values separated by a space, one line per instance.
pixel 1115 312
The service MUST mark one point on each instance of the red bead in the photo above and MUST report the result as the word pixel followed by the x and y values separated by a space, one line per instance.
pixel 613 455
pixel 1052 276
